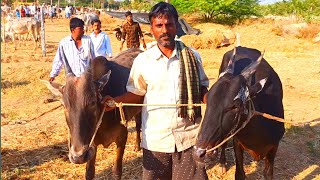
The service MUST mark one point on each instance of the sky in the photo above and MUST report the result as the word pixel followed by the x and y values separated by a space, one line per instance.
pixel 269 1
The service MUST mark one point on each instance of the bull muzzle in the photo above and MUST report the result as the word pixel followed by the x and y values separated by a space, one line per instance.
pixel 200 154
pixel 82 156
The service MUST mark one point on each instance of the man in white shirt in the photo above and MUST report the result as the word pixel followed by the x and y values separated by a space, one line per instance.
pixel 168 73
pixel 77 49
pixel 68 11
pixel 101 40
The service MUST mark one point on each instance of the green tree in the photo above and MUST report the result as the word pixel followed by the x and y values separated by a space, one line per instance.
pixel 307 9
pixel 217 9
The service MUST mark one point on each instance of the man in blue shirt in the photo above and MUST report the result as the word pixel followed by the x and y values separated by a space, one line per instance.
pixel 101 40
pixel 77 49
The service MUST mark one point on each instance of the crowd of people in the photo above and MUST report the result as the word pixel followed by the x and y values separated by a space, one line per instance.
pixel 98 44
pixel 49 11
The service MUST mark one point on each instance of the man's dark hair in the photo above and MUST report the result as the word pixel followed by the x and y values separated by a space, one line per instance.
pixel 76 22
pixel 163 8
pixel 128 13
pixel 95 21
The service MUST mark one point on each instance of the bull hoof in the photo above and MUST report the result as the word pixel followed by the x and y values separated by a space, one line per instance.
pixel 223 169
pixel 89 176
pixel 116 177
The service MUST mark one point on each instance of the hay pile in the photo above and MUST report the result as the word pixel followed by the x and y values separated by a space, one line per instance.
pixel 215 36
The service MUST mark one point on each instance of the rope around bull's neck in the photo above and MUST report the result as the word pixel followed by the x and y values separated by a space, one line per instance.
pixel 120 105
pixel 252 112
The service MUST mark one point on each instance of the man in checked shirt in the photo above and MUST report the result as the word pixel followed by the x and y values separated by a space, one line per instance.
pixel 131 32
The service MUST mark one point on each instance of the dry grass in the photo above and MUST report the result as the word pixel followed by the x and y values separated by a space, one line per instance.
pixel 211 38
pixel 310 32
pixel 37 149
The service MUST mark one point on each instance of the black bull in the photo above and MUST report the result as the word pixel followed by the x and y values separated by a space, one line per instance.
pixel 245 77
pixel 82 103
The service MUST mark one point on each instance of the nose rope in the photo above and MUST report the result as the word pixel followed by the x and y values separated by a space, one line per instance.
pixel 97 127
pixel 250 115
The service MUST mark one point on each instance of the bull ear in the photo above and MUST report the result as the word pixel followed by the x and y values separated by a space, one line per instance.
pixel 55 88
pixel 230 67
pixel 104 80
pixel 257 87
pixel 68 69
pixel 246 73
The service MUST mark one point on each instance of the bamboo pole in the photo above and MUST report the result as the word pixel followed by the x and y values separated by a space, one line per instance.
pixel 43 41
pixel 4 35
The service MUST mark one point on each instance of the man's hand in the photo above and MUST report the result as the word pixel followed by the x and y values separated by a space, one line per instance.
pixel 51 79
pixel 109 103
pixel 205 98
pixel 204 93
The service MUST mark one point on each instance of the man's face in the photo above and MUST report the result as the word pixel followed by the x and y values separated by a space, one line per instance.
pixel 96 26
pixel 129 18
pixel 164 30
pixel 78 32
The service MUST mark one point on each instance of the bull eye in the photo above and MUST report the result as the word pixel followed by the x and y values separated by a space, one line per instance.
pixel 92 104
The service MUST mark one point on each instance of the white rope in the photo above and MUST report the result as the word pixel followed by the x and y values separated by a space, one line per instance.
pixel 97 127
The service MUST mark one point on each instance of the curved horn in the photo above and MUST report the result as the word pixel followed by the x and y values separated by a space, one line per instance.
pixel 252 67
pixel 67 66
pixel 90 59
pixel 230 66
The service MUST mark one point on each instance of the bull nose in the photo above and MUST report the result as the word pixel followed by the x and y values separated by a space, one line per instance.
pixel 78 159
pixel 83 157
pixel 199 154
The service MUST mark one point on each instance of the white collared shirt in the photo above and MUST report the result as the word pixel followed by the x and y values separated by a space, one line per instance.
pixel 77 58
pixel 101 43
pixel 156 77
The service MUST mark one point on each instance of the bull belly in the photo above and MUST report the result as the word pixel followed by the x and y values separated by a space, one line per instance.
pixel 257 151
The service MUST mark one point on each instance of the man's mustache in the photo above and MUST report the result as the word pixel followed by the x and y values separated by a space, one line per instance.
pixel 164 35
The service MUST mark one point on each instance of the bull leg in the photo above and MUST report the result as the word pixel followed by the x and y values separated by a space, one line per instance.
pixel 20 39
pixel 238 150
pixel 35 44
pixel 269 163
pixel 15 42
pixel 90 166
pixel 34 36
pixel 121 141
pixel 138 131
pixel 223 160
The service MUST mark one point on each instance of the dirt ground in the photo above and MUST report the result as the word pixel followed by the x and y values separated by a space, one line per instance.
pixel 36 148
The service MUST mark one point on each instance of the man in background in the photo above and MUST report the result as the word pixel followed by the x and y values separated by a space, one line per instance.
pixel 101 41
pixel 131 32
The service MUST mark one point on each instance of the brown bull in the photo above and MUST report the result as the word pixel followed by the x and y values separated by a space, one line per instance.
pixel 82 98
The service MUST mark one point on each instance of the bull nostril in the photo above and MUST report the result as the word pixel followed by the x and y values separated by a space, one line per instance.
pixel 200 152
pixel 75 158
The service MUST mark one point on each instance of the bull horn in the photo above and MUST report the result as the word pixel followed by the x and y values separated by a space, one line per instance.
pixel 67 66
pixel 90 62
pixel 252 67
pixel 230 66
